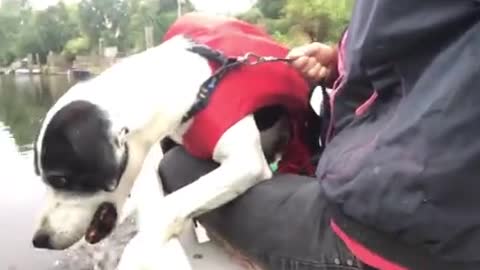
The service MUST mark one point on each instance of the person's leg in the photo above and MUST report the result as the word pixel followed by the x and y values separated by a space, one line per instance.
pixel 282 223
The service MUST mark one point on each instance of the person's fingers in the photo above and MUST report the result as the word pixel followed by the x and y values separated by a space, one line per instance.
pixel 311 62
pixel 323 73
pixel 296 53
pixel 314 72
pixel 300 62
pixel 305 50
pixel 318 50
pixel 314 48
pixel 324 54
pixel 307 56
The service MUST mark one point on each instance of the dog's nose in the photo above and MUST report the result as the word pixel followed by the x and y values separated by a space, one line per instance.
pixel 42 240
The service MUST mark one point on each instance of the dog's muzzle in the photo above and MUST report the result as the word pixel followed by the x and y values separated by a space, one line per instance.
pixel 42 240
pixel 102 223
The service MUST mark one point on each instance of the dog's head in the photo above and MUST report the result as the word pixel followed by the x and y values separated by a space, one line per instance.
pixel 81 158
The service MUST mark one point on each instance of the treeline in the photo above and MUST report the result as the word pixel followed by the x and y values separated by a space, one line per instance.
pixel 84 27
pixel 81 28
pixel 296 22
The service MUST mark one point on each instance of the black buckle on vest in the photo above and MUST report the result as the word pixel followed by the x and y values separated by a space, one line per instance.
pixel 210 54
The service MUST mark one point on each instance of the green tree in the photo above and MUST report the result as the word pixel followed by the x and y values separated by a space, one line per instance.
pixel 14 7
pixel 295 22
pixel 44 31
pixel 254 15
pixel 75 46
pixel 159 14
pixel 54 28
pixel 320 20
pixel 142 14
pixel 271 8
pixel 13 13
pixel 106 19
pixel 8 32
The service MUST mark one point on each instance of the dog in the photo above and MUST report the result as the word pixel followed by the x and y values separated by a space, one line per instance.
pixel 94 140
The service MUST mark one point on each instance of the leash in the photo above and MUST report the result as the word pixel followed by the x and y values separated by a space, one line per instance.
pixel 253 59
pixel 226 64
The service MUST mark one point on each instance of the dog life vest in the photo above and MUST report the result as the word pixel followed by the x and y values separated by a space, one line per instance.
pixel 245 89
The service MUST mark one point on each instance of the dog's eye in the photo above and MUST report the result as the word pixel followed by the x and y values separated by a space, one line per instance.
pixel 57 181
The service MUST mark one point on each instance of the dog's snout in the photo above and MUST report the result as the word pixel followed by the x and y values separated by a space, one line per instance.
pixel 42 240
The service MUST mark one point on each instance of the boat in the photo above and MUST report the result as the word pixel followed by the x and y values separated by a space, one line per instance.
pixel 79 74
pixel 204 254
pixel 26 71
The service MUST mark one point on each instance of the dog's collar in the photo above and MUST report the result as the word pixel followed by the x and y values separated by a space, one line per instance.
pixel 123 165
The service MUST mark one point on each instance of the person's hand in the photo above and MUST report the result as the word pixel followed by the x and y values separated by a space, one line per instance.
pixel 316 61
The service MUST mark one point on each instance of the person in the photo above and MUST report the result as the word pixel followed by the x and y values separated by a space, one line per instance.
pixel 396 186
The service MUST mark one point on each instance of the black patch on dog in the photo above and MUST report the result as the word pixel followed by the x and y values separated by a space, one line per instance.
pixel 266 117
pixel 167 144
pixel 77 150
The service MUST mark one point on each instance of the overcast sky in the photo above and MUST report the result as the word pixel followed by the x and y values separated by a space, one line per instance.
pixel 213 6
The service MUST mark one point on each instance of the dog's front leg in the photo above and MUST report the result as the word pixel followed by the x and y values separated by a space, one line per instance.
pixel 143 252
pixel 242 165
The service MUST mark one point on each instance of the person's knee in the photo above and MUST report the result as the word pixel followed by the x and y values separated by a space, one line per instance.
pixel 178 168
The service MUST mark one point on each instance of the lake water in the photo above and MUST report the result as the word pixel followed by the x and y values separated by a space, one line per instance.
pixel 24 100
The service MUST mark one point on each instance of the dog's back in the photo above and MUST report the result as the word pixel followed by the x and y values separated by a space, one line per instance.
pixel 247 89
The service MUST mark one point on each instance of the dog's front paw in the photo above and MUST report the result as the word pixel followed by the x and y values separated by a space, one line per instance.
pixel 163 227
pixel 171 228
pixel 142 253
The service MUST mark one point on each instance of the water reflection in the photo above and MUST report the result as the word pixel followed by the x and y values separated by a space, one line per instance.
pixel 24 100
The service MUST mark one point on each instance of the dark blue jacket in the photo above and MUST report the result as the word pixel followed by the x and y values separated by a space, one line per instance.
pixel 408 168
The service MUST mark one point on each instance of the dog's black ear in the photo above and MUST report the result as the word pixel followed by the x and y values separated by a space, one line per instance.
pixel 35 156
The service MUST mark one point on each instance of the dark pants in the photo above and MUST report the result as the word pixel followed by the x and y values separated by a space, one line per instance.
pixel 283 224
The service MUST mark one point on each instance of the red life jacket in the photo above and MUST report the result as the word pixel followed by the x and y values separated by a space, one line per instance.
pixel 245 89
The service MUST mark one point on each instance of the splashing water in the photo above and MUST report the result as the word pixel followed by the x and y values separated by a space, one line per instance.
pixel 102 256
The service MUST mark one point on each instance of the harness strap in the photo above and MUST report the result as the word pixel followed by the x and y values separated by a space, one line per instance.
pixel 226 64
pixel 210 54
pixel 207 87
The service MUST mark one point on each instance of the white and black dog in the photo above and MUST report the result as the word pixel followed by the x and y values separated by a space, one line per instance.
pixel 94 140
